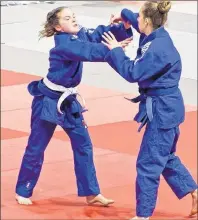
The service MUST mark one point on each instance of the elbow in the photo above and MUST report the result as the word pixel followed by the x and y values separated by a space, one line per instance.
pixel 131 80
pixel 128 77
pixel 127 15
pixel 129 74
pixel 134 78
pixel 124 14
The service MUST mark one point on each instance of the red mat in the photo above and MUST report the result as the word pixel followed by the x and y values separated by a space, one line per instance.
pixel 116 144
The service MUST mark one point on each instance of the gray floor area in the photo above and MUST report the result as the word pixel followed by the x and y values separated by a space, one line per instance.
pixel 21 51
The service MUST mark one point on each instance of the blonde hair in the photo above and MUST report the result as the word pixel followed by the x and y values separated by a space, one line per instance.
pixel 157 11
pixel 51 22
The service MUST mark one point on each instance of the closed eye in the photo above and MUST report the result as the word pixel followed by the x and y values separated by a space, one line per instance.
pixel 67 17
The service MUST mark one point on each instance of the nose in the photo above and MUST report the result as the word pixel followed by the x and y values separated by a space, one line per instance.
pixel 74 19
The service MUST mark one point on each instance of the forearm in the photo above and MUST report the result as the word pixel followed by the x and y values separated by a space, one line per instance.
pixel 117 59
pixel 119 31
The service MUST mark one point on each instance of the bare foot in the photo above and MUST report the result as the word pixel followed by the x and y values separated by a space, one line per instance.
pixel 140 218
pixel 100 199
pixel 194 209
pixel 22 200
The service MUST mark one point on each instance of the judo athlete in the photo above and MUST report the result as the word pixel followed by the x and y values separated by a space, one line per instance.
pixel 56 102
pixel 157 70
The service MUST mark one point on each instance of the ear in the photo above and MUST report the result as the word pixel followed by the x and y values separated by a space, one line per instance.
pixel 146 21
pixel 58 28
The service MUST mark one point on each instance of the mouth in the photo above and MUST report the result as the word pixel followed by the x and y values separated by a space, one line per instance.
pixel 75 25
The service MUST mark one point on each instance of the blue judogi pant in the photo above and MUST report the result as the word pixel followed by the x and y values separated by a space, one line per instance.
pixel 41 134
pixel 156 157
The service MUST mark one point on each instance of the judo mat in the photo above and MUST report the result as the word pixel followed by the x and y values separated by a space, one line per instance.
pixel 116 145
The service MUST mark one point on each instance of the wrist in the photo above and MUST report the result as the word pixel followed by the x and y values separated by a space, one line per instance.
pixel 117 46
pixel 127 25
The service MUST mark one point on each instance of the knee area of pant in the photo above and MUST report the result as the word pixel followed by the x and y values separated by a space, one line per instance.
pixel 33 155
pixel 88 151
pixel 143 165
pixel 88 147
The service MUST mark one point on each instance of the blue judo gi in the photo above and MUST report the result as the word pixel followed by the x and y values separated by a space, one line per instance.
pixel 157 70
pixel 65 70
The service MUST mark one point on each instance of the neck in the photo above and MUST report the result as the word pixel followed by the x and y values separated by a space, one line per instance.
pixel 148 31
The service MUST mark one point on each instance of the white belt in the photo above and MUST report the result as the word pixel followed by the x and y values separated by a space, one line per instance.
pixel 66 92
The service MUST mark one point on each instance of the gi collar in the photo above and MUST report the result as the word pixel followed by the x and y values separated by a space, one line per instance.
pixel 61 37
pixel 160 32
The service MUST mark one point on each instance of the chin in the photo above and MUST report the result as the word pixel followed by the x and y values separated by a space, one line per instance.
pixel 140 29
pixel 76 30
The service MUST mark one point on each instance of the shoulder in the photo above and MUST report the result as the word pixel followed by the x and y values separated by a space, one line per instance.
pixel 165 46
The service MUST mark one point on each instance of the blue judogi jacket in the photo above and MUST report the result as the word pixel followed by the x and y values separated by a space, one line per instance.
pixel 157 70
pixel 70 50
pixel 66 68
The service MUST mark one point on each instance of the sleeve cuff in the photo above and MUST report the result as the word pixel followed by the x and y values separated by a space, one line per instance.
pixel 113 54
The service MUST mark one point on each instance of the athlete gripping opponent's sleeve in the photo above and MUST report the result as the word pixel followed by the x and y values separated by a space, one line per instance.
pixel 55 103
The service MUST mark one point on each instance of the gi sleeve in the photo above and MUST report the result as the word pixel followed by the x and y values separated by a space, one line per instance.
pixel 131 17
pixel 77 50
pixel 119 31
pixel 148 65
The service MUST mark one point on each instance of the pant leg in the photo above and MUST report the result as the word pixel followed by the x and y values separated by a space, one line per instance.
pixel 151 162
pixel 176 174
pixel 41 133
pixel 87 183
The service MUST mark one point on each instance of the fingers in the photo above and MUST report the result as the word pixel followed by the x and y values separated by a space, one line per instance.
pixel 130 38
pixel 112 36
pixel 124 45
pixel 106 44
pixel 127 41
pixel 109 37
pixel 115 19
pixel 105 38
